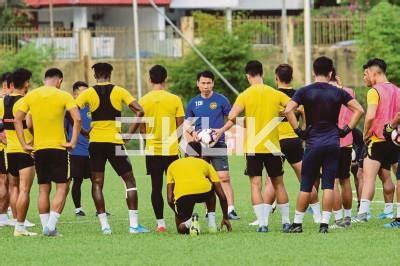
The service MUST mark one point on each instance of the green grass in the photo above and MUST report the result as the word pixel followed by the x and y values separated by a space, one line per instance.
pixel 83 243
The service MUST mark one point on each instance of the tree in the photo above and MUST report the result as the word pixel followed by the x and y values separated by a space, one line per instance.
pixel 12 15
pixel 228 52
pixel 380 37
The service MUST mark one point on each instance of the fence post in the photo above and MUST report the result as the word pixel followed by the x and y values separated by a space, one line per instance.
pixel 187 28
pixel 85 44
pixel 290 35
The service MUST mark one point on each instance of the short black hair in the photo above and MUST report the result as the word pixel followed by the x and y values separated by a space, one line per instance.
pixel 376 62
pixel 158 74
pixel 193 149
pixel 4 76
pixel 79 84
pixel 20 76
pixel 9 80
pixel 102 70
pixel 284 73
pixel 254 68
pixel 206 74
pixel 323 66
pixel 53 73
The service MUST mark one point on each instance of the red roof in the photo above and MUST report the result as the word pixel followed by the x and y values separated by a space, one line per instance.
pixel 44 3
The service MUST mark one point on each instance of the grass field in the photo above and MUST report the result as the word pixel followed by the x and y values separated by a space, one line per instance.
pixel 83 243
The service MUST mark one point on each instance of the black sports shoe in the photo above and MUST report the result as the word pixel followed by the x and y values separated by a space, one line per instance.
pixel 296 228
pixel 233 215
pixel 108 214
pixel 323 228
pixel 80 214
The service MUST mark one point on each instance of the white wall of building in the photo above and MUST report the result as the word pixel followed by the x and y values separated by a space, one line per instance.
pixel 237 4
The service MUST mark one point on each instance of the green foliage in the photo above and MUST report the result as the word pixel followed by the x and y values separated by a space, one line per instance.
pixel 228 52
pixel 13 17
pixel 380 37
pixel 30 57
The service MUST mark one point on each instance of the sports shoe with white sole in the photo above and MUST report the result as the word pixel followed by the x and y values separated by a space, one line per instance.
pixel 24 233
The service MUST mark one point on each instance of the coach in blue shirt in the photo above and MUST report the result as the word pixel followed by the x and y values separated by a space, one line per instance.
pixel 208 110
pixel 79 156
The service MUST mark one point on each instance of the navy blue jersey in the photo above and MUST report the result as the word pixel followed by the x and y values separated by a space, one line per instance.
pixel 213 109
pixel 322 103
pixel 82 146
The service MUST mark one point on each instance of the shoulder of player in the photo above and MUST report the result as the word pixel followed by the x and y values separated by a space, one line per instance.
pixel 220 96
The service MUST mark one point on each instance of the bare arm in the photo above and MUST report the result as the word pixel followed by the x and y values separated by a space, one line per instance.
pixel 290 109
pixel 19 128
pixel 138 110
pixel 29 123
pixel 179 127
pixel 369 117
pixel 358 112
pixel 224 204
pixel 233 114
pixel 396 121
pixel 170 196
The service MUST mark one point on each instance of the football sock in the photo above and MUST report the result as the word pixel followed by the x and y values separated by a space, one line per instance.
pixel 211 219
pixel 284 208
pixel 398 210
pixel 298 217
pixel 161 223
pixel 133 218
pixel 326 216
pixel 316 208
pixel 347 212
pixel 231 208
pixel 388 208
pixel 3 218
pixel 103 220
pixel 53 219
pixel 44 218
pixel 188 223
pixel 338 214
pixel 259 210
pixel 267 211
pixel 19 226
pixel 364 206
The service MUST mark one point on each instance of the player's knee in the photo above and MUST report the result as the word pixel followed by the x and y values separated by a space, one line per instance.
pixel 225 179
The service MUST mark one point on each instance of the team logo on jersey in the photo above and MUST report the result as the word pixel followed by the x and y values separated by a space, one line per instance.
pixel 213 105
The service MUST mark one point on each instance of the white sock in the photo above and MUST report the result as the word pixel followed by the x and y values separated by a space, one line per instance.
pixel 398 210
pixel 3 218
pixel 44 218
pixel 188 223
pixel 53 219
pixel 326 216
pixel 284 208
pixel 316 208
pixel 133 218
pixel 338 214
pixel 388 208
pixel 267 211
pixel 78 210
pixel 347 212
pixel 161 223
pixel 364 206
pixel 19 227
pixel 103 221
pixel 211 220
pixel 259 210
pixel 298 217
pixel 231 208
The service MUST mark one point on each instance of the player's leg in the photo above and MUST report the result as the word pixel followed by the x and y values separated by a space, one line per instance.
pixel 337 206
pixel 26 176
pixel 77 173
pixel 76 195
pixel 183 217
pixel 13 189
pixel 346 192
pixel 44 202
pixel 4 199
pixel 254 167
pixel 122 166
pixel 388 191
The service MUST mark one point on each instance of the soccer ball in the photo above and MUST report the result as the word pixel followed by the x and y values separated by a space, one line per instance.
pixel 206 137
pixel 396 138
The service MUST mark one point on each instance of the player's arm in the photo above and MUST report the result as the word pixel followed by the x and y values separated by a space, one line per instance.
pixel 76 127
pixel 170 195
pixel 233 114
pixel 396 121
pixel 179 126
pixel 290 109
pixel 29 123
pixel 358 112
pixel 19 128
pixel 138 110
pixel 223 203
pixel 369 118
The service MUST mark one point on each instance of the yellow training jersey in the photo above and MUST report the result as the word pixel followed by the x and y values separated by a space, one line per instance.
pixel 13 144
pixel 262 105
pixel 161 109
pixel 47 106
pixel 191 176
pixel 107 129
pixel 373 98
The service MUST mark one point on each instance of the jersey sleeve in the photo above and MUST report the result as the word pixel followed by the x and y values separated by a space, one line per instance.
pixel 240 100
pixel 212 174
pixel 69 102
pixel 372 97
pixel 83 98
pixel 24 106
pixel 170 178
pixel 180 112
pixel 298 97
pixel 189 110
pixel 1 108
pixel 226 106
pixel 284 99
pixel 346 97
pixel 126 96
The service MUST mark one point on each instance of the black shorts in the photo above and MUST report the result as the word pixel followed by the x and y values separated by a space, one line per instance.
pixel 292 149
pixel 344 163
pixel 315 158
pixel 18 161
pixel 255 164
pixel 100 152
pixel 220 160
pixel 79 166
pixel 364 153
pixel 3 168
pixel 184 205
pixel 384 152
pixel 158 164
pixel 52 165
